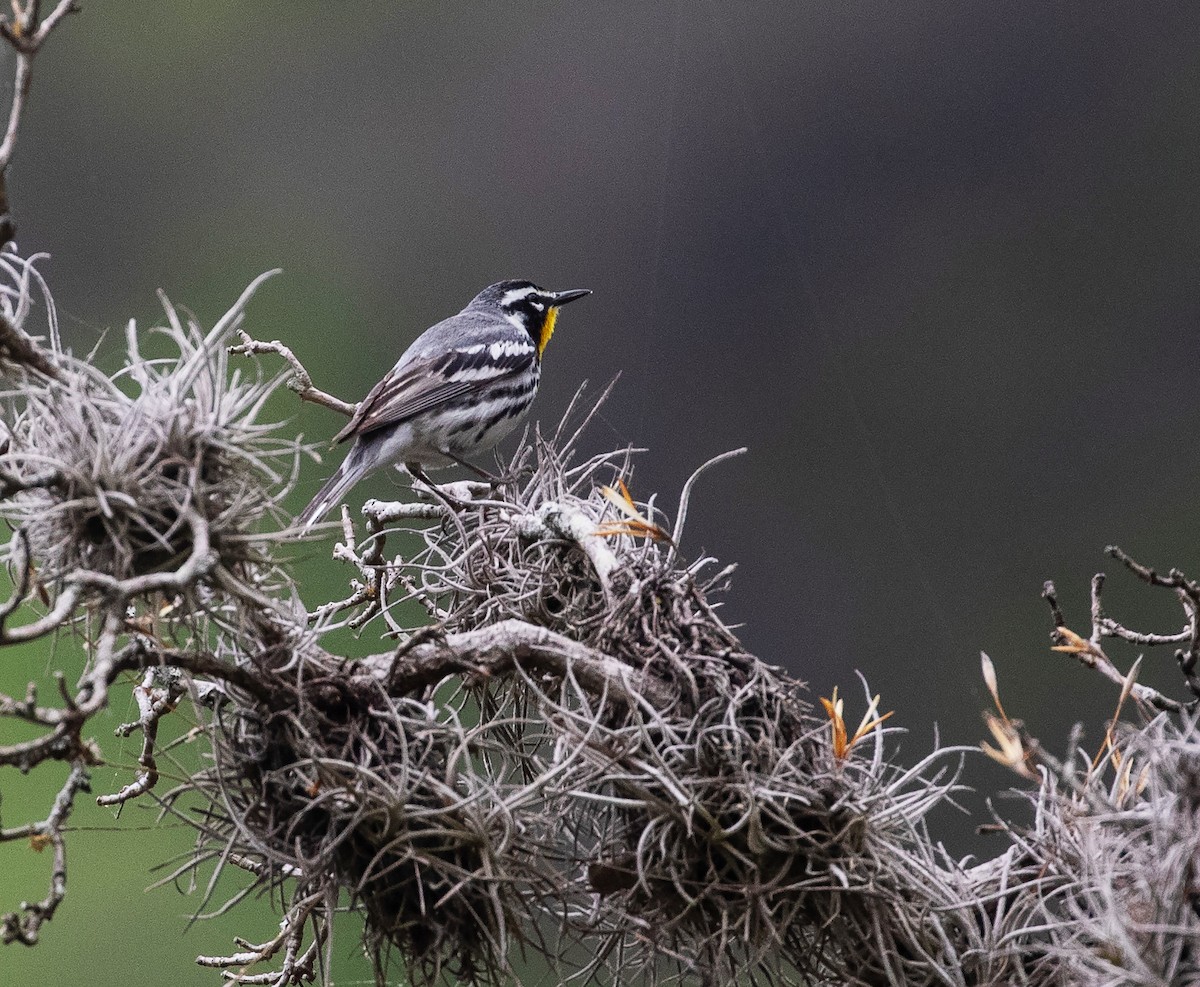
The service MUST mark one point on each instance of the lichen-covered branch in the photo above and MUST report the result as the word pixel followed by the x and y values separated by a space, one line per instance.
pixel 1090 651
pixel 156 695
pixel 504 648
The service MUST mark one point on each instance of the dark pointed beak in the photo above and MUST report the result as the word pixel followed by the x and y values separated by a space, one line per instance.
pixel 562 297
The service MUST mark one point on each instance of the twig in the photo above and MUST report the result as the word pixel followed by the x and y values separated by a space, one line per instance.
pixel 379 514
pixel 1091 654
pixel 65 740
pixel 26 35
pixel 384 512
pixel 296 967
pixel 1050 595
pixel 25 929
pixel 1188 591
pixel 372 590
pixel 19 348
pixel 300 380
pixel 156 695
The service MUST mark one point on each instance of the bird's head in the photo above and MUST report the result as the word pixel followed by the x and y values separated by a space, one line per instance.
pixel 527 306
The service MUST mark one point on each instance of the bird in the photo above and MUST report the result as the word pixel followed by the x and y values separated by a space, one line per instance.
pixel 460 388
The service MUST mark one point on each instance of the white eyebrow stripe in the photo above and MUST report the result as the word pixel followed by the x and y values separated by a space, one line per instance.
pixel 516 294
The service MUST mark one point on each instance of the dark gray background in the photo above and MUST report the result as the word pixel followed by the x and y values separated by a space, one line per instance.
pixel 934 263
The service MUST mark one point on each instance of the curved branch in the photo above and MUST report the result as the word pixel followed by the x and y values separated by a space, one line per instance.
pixel 555 520
pixel 503 647
pixel 300 381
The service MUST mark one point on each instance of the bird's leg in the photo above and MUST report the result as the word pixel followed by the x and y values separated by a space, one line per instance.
pixel 447 500
pixel 418 473
pixel 478 471
pixel 495 481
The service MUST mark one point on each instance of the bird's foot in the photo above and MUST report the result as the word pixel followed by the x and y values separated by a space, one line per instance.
pixel 502 480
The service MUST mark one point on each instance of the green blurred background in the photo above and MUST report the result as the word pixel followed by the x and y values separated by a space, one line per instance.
pixel 934 263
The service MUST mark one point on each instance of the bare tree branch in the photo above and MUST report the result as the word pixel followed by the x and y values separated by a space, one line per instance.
pixel 26 34
pixel 157 694
pixel 299 381
pixel 26 928
pixel 498 649
pixel 1092 655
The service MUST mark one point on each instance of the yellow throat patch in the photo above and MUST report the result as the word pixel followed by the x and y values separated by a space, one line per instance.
pixel 547 329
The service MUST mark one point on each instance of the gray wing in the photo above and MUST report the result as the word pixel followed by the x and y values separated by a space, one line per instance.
pixel 425 382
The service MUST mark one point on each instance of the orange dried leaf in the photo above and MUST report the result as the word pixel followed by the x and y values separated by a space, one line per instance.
pixel 1011 752
pixel 618 528
pixel 870 720
pixel 1074 644
pixel 621 500
pixel 39 841
pixel 142 624
pixel 1127 686
pixel 866 727
pixel 837 725
pixel 634 523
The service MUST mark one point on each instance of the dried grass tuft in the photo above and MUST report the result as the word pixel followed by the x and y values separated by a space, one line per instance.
pixel 165 456
pixel 702 825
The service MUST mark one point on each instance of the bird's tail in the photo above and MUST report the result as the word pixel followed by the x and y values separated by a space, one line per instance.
pixel 331 493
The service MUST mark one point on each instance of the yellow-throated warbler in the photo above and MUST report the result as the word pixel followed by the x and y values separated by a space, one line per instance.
pixel 462 386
